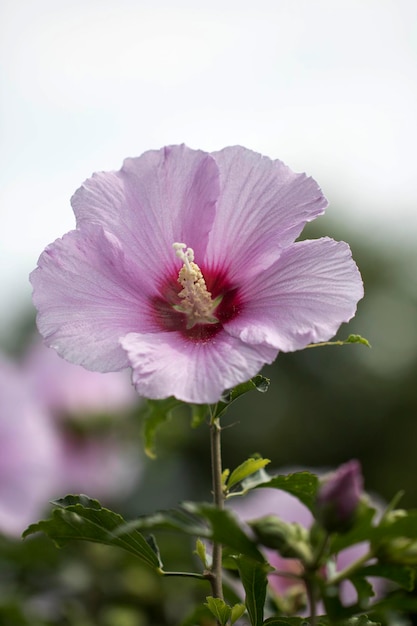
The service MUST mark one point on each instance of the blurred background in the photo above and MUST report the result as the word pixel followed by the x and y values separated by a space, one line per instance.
pixel 328 87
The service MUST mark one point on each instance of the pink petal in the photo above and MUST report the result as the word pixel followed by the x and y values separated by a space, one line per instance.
pixel 168 364
pixel 263 207
pixel 88 295
pixel 303 298
pixel 161 197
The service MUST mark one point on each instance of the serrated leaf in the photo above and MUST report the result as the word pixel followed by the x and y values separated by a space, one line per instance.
pixel 237 612
pixel 81 518
pixel 400 574
pixel 245 469
pixel 254 577
pixel 157 413
pixel 258 383
pixel 219 609
pixel 302 485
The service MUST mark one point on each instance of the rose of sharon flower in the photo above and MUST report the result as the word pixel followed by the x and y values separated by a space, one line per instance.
pixel 183 266
pixel 29 454
pixel 339 495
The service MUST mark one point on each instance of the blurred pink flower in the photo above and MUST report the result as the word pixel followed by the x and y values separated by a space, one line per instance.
pixel 70 390
pixel 46 446
pixel 191 322
pixel 94 462
pixel 29 454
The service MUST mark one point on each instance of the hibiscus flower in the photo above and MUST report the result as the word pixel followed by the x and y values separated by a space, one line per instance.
pixel 184 266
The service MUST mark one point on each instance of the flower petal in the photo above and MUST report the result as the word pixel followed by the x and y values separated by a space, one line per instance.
pixel 167 364
pixel 88 296
pixel 161 197
pixel 263 207
pixel 303 298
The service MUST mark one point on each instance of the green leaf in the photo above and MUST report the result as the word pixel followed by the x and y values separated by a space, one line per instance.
pixel 254 577
pixel 401 526
pixel 226 529
pixel 201 552
pixel 157 413
pixel 302 485
pixel 358 339
pixel 220 609
pixel 363 588
pixel 245 469
pixel 81 518
pixel 258 383
pixel 400 574
pixel 237 611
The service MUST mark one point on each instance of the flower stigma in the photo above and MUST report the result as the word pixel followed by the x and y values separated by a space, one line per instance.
pixel 197 303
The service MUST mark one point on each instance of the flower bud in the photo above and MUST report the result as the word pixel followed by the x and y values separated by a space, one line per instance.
pixel 338 497
pixel 290 540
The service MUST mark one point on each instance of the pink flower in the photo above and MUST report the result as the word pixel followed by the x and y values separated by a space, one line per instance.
pixel 95 461
pixel 339 495
pixel 69 390
pixel 29 454
pixel 207 314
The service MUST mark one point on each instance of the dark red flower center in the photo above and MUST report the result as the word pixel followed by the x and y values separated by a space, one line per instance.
pixel 169 306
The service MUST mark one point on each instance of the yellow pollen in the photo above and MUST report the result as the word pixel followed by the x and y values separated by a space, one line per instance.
pixel 197 302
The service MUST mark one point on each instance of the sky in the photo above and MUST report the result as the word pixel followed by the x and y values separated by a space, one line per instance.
pixel 329 87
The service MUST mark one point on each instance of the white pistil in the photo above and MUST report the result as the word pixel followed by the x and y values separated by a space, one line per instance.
pixel 197 301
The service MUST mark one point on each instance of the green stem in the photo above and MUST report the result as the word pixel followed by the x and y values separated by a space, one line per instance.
pixel 185 575
pixel 218 499
pixel 311 601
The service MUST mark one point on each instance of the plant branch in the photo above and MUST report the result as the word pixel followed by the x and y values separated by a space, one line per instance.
pixel 218 499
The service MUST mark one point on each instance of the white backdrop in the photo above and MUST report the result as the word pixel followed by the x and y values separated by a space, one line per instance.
pixel 328 86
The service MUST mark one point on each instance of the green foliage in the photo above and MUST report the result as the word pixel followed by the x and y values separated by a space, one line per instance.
pixel 237 612
pixel 254 580
pixel 403 576
pixel 225 529
pixel 258 383
pixel 201 552
pixel 81 518
pixel 219 609
pixel 302 485
pixel 245 469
